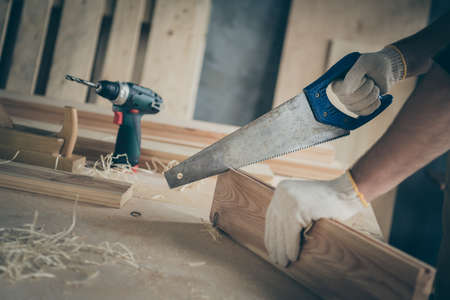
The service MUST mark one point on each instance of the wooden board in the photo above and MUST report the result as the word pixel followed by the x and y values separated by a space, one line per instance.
pixel 5 10
pixel 175 54
pixel 336 262
pixel 28 141
pixel 75 48
pixel 65 185
pixel 30 40
pixel 312 24
pixel 123 42
pixel 70 164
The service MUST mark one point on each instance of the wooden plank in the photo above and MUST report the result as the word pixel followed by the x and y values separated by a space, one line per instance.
pixel 123 42
pixel 70 164
pixel 175 54
pixel 5 120
pixel 75 48
pixel 65 185
pixel 5 10
pixel 336 262
pixel 26 57
pixel 28 141
pixel 313 23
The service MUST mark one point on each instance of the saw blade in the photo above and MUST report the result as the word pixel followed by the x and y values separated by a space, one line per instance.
pixel 287 128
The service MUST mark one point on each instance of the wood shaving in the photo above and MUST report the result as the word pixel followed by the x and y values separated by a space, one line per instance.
pixel 215 234
pixel 13 158
pixel 196 264
pixel 29 252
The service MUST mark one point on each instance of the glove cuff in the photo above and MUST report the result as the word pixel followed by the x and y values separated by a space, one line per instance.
pixel 397 60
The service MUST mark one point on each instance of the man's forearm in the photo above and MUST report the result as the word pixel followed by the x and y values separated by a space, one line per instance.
pixel 420 133
pixel 419 48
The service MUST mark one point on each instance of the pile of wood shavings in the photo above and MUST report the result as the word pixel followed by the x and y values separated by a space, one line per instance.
pixel 29 252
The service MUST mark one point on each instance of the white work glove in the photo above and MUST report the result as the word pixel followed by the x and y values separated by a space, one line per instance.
pixel 296 204
pixel 372 74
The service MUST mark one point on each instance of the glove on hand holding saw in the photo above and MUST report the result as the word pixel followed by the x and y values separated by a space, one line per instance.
pixel 296 204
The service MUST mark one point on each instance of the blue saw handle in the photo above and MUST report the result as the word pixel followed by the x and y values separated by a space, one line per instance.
pixel 324 111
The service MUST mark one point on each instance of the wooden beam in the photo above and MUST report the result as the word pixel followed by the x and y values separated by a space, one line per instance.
pixel 336 262
pixel 27 54
pixel 65 185
pixel 69 131
pixel 75 48
pixel 175 54
pixel 5 10
pixel 123 41
pixel 29 141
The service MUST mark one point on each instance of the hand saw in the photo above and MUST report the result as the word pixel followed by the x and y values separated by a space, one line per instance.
pixel 306 120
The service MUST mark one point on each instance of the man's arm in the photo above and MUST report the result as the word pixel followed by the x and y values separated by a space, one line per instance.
pixel 418 49
pixel 420 133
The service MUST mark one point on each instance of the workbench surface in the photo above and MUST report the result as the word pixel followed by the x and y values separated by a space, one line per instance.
pixel 179 259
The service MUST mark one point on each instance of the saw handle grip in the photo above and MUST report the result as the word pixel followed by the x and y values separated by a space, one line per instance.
pixel 128 139
pixel 324 111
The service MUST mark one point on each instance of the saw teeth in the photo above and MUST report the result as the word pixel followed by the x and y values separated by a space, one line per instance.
pixel 289 151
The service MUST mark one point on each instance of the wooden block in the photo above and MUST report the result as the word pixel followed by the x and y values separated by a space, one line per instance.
pixel 29 45
pixel 123 42
pixel 5 10
pixel 75 48
pixel 27 141
pixel 65 185
pixel 312 24
pixel 175 54
pixel 336 262
pixel 70 164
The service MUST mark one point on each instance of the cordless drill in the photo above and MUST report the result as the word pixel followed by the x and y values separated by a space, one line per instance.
pixel 130 103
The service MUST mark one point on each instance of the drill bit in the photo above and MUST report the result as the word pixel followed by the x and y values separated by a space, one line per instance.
pixel 82 81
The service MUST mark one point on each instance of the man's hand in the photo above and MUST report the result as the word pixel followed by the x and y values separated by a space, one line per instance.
pixel 296 204
pixel 372 74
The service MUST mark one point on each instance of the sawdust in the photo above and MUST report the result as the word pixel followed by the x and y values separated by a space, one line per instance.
pixel 30 252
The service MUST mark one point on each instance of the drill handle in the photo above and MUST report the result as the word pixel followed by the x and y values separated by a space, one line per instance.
pixel 129 138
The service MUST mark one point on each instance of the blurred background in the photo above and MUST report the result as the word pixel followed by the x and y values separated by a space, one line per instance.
pixel 225 62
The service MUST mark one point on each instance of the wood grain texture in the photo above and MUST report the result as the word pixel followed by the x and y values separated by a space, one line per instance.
pixel 336 262
pixel 28 141
pixel 70 164
pixel 175 54
pixel 312 24
pixel 27 54
pixel 5 10
pixel 123 41
pixel 65 185
pixel 75 48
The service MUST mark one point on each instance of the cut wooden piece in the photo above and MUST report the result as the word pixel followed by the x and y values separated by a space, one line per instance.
pixel 336 262
pixel 29 45
pixel 5 120
pixel 5 10
pixel 75 48
pixel 70 164
pixel 66 185
pixel 123 42
pixel 33 142
pixel 312 23
pixel 175 54
pixel 69 131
